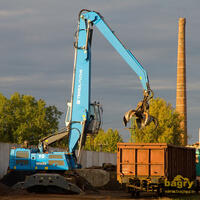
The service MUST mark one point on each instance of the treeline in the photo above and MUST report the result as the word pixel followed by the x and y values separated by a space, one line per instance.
pixel 22 117
pixel 103 141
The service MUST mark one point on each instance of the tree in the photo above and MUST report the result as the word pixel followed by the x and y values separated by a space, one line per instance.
pixel 22 117
pixel 168 129
pixel 103 141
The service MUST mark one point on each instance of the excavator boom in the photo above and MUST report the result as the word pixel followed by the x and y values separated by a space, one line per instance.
pixel 79 115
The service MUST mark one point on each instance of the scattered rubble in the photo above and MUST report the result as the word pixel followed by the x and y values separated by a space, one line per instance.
pixel 4 189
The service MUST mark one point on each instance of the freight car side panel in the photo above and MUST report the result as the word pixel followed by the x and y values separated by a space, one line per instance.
pixel 154 160
pixel 142 167
pixel 127 161
pixel 157 164
pixel 181 161
pixel 140 160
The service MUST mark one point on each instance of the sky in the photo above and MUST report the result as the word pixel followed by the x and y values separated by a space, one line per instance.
pixel 37 54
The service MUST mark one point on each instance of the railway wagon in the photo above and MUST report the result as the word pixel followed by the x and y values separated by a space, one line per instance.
pixel 156 167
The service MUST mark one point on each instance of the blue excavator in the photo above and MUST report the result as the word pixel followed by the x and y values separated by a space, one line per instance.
pixel 36 166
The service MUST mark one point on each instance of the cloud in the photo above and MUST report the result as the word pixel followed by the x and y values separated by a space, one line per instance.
pixel 194 109
pixel 35 81
pixel 15 13
pixel 194 85
pixel 164 84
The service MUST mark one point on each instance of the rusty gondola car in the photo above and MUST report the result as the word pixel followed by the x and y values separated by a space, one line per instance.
pixel 156 167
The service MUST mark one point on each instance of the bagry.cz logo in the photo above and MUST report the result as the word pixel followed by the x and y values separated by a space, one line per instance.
pixel 179 182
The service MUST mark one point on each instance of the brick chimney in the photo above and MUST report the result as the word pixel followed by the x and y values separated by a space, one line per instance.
pixel 181 105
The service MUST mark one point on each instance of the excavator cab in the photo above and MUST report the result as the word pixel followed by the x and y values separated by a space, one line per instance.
pixel 94 118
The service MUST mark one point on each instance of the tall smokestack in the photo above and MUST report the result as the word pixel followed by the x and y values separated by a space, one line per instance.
pixel 181 105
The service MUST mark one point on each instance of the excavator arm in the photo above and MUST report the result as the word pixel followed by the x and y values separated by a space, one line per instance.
pixel 79 112
pixel 141 112
pixel 82 117
pixel 97 20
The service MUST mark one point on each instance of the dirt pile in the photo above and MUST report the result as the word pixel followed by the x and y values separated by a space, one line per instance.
pixel 14 177
pixel 4 189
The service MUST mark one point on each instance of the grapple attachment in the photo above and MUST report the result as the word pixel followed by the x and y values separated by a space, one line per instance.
pixel 141 113
pixel 142 120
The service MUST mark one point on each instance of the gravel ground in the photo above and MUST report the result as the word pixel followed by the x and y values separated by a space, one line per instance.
pixel 7 193
pixel 101 195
